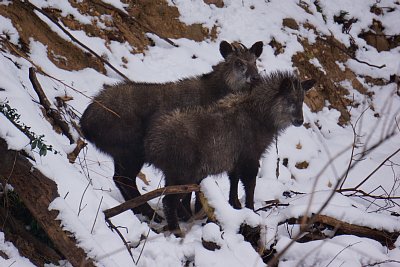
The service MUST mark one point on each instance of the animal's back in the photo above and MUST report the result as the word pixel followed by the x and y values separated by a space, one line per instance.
pixel 122 111
pixel 203 140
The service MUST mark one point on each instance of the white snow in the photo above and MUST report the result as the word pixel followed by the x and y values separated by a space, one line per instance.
pixel 87 184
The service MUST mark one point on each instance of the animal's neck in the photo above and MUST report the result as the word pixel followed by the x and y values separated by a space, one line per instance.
pixel 261 109
pixel 214 85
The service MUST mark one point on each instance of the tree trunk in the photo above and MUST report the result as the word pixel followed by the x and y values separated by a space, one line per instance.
pixel 37 191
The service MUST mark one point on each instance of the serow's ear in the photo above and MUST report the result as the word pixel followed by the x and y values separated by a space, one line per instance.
pixel 225 49
pixel 286 86
pixel 257 48
pixel 307 84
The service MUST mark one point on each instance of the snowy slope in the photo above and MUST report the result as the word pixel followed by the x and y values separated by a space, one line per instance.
pixel 246 21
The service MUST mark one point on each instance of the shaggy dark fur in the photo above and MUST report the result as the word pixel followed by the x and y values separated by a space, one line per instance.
pixel 190 144
pixel 137 103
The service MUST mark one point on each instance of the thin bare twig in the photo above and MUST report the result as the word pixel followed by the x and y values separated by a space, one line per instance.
pixel 381 262
pixel 354 146
pixel 128 247
pixel 363 193
pixel 350 55
pixel 377 168
pixel 97 213
pixel 349 245
pixel 148 231
pixel 275 259
pixel 80 202
pixel 41 71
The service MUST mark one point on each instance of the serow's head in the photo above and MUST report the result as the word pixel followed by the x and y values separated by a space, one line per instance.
pixel 292 91
pixel 240 68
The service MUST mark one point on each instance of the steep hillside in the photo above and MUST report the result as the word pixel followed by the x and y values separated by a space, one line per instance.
pixel 327 193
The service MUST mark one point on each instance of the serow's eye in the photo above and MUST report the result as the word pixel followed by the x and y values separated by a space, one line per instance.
pixel 239 64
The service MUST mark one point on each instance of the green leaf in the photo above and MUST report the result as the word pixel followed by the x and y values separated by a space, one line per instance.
pixel 43 151
pixel 33 144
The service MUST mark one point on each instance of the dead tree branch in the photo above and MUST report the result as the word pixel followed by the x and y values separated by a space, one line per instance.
pixel 53 115
pixel 377 168
pixel 128 247
pixel 80 144
pixel 130 204
pixel 386 238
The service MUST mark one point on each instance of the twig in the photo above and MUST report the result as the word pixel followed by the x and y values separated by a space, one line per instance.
pixel 6 200
pixel 277 155
pixel 75 40
pixel 130 204
pixel 351 56
pixel 128 247
pixel 343 249
pixel 274 261
pixel 363 193
pixel 271 203
pixel 97 213
pixel 80 202
pixel 353 147
pixel 40 70
pixel 381 262
pixel 377 168
pixel 148 231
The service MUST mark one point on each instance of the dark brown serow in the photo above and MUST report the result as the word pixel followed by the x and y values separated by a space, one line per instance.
pixel 137 103
pixel 191 143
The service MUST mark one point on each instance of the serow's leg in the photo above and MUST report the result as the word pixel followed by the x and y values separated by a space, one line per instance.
pixel 125 179
pixel 170 209
pixel 248 177
pixel 233 191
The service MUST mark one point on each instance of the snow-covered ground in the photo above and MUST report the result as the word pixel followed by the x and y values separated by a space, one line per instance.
pixel 246 21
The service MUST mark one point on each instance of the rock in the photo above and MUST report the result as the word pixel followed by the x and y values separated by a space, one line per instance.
pixel 302 165
pixel 290 23
pixel 217 3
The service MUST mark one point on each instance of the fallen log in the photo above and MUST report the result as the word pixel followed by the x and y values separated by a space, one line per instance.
pixel 37 192
pixel 384 237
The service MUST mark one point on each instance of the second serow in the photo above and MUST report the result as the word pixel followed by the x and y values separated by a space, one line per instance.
pixel 231 136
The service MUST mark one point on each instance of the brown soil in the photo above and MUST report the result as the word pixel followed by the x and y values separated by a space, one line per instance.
pixel 328 51
pixel 144 16
pixel 62 53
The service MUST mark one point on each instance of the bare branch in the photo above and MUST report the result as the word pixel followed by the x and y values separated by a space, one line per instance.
pixel 40 70
pixel 55 117
pixel 114 228
pixel 97 213
pixel 130 204
pixel 386 238
pixel 329 42
pixel 377 168
pixel 80 144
